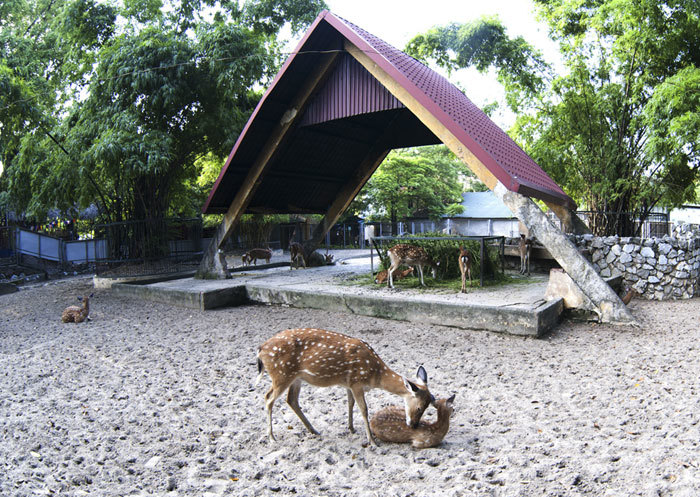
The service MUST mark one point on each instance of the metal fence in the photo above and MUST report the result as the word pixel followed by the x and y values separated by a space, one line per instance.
pixel 153 246
pixel 605 223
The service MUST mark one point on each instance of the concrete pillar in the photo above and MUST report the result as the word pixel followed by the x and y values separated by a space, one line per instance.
pixel 607 304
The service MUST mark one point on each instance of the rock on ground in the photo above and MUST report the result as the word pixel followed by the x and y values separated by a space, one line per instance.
pixel 148 399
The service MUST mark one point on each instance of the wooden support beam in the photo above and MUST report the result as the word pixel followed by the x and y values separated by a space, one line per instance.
pixel 569 220
pixel 213 266
pixel 609 306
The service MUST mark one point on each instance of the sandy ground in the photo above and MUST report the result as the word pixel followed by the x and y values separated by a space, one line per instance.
pixel 148 399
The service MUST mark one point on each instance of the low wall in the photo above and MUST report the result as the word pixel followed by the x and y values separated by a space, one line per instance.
pixel 657 268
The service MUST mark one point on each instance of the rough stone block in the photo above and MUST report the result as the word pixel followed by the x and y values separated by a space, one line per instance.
pixel 648 253
pixel 562 286
pixel 664 248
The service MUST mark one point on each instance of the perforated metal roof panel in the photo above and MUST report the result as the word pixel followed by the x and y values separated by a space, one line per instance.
pixel 320 154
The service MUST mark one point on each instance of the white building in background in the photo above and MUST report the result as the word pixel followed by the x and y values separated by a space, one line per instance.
pixel 689 214
pixel 483 215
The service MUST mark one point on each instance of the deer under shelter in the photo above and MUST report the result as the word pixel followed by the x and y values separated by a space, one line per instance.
pixel 345 98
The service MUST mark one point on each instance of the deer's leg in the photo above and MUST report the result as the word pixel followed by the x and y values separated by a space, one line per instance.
pixel 270 397
pixel 420 271
pixel 293 402
pixel 390 271
pixel 351 406
pixel 359 395
pixel 528 263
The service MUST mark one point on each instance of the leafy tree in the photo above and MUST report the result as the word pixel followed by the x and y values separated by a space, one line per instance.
pixel 619 130
pixel 412 182
pixel 164 87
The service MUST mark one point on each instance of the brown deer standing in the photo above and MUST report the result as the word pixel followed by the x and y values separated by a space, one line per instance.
pixel 409 255
pixel 77 313
pixel 388 425
pixel 525 248
pixel 326 358
pixel 296 252
pixel 465 267
pixel 257 253
pixel 397 275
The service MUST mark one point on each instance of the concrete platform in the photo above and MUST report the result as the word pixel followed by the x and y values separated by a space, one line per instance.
pixel 518 309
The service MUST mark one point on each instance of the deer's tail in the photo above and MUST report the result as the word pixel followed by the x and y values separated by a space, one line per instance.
pixel 261 371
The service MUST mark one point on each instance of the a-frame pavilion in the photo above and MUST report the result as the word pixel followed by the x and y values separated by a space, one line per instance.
pixel 340 103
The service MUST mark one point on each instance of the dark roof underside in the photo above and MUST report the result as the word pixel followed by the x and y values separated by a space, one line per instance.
pixel 345 115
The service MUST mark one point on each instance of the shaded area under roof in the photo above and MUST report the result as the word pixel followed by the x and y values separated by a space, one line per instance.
pixel 349 116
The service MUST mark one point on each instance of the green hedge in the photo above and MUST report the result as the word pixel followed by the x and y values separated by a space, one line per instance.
pixel 447 253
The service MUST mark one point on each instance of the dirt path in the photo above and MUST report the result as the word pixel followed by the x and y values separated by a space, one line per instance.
pixel 148 399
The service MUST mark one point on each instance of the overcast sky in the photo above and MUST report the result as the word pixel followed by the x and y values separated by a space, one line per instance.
pixel 397 21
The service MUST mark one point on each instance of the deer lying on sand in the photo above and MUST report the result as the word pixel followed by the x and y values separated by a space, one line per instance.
pixel 410 255
pixel 296 252
pixel 388 425
pixel 465 267
pixel 326 358
pixel 396 275
pixel 254 254
pixel 77 313
pixel 525 247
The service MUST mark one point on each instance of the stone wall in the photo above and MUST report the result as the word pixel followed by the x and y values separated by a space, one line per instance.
pixel 657 268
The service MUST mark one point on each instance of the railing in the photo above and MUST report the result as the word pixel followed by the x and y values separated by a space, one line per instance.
pixel 153 246
pixel 605 223
pixel 45 248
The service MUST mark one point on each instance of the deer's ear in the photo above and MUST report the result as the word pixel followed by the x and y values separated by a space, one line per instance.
pixel 451 399
pixel 422 375
pixel 410 386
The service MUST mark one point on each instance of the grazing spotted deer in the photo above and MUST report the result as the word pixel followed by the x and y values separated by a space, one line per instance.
pixel 296 252
pixel 409 255
pixel 77 313
pixel 257 253
pixel 388 425
pixel 465 267
pixel 525 248
pixel 397 275
pixel 326 358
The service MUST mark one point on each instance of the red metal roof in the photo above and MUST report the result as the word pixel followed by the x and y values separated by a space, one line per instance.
pixel 347 111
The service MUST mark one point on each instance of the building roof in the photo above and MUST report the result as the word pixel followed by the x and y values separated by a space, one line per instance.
pixel 350 117
pixel 483 205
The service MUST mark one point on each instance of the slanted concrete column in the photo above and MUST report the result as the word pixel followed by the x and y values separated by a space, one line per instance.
pixel 608 305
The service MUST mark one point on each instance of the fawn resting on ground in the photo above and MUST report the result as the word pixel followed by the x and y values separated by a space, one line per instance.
pixel 388 425
pixel 254 254
pixel 396 275
pixel 326 358
pixel 77 313
pixel 296 252
pixel 465 267
pixel 409 255
pixel 525 247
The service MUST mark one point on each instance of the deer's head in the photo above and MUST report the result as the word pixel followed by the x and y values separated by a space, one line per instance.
pixel 418 398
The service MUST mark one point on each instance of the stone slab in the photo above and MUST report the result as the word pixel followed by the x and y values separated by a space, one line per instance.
pixel 518 309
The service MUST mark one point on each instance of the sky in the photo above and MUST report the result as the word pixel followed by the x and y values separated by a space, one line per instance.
pixel 397 21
